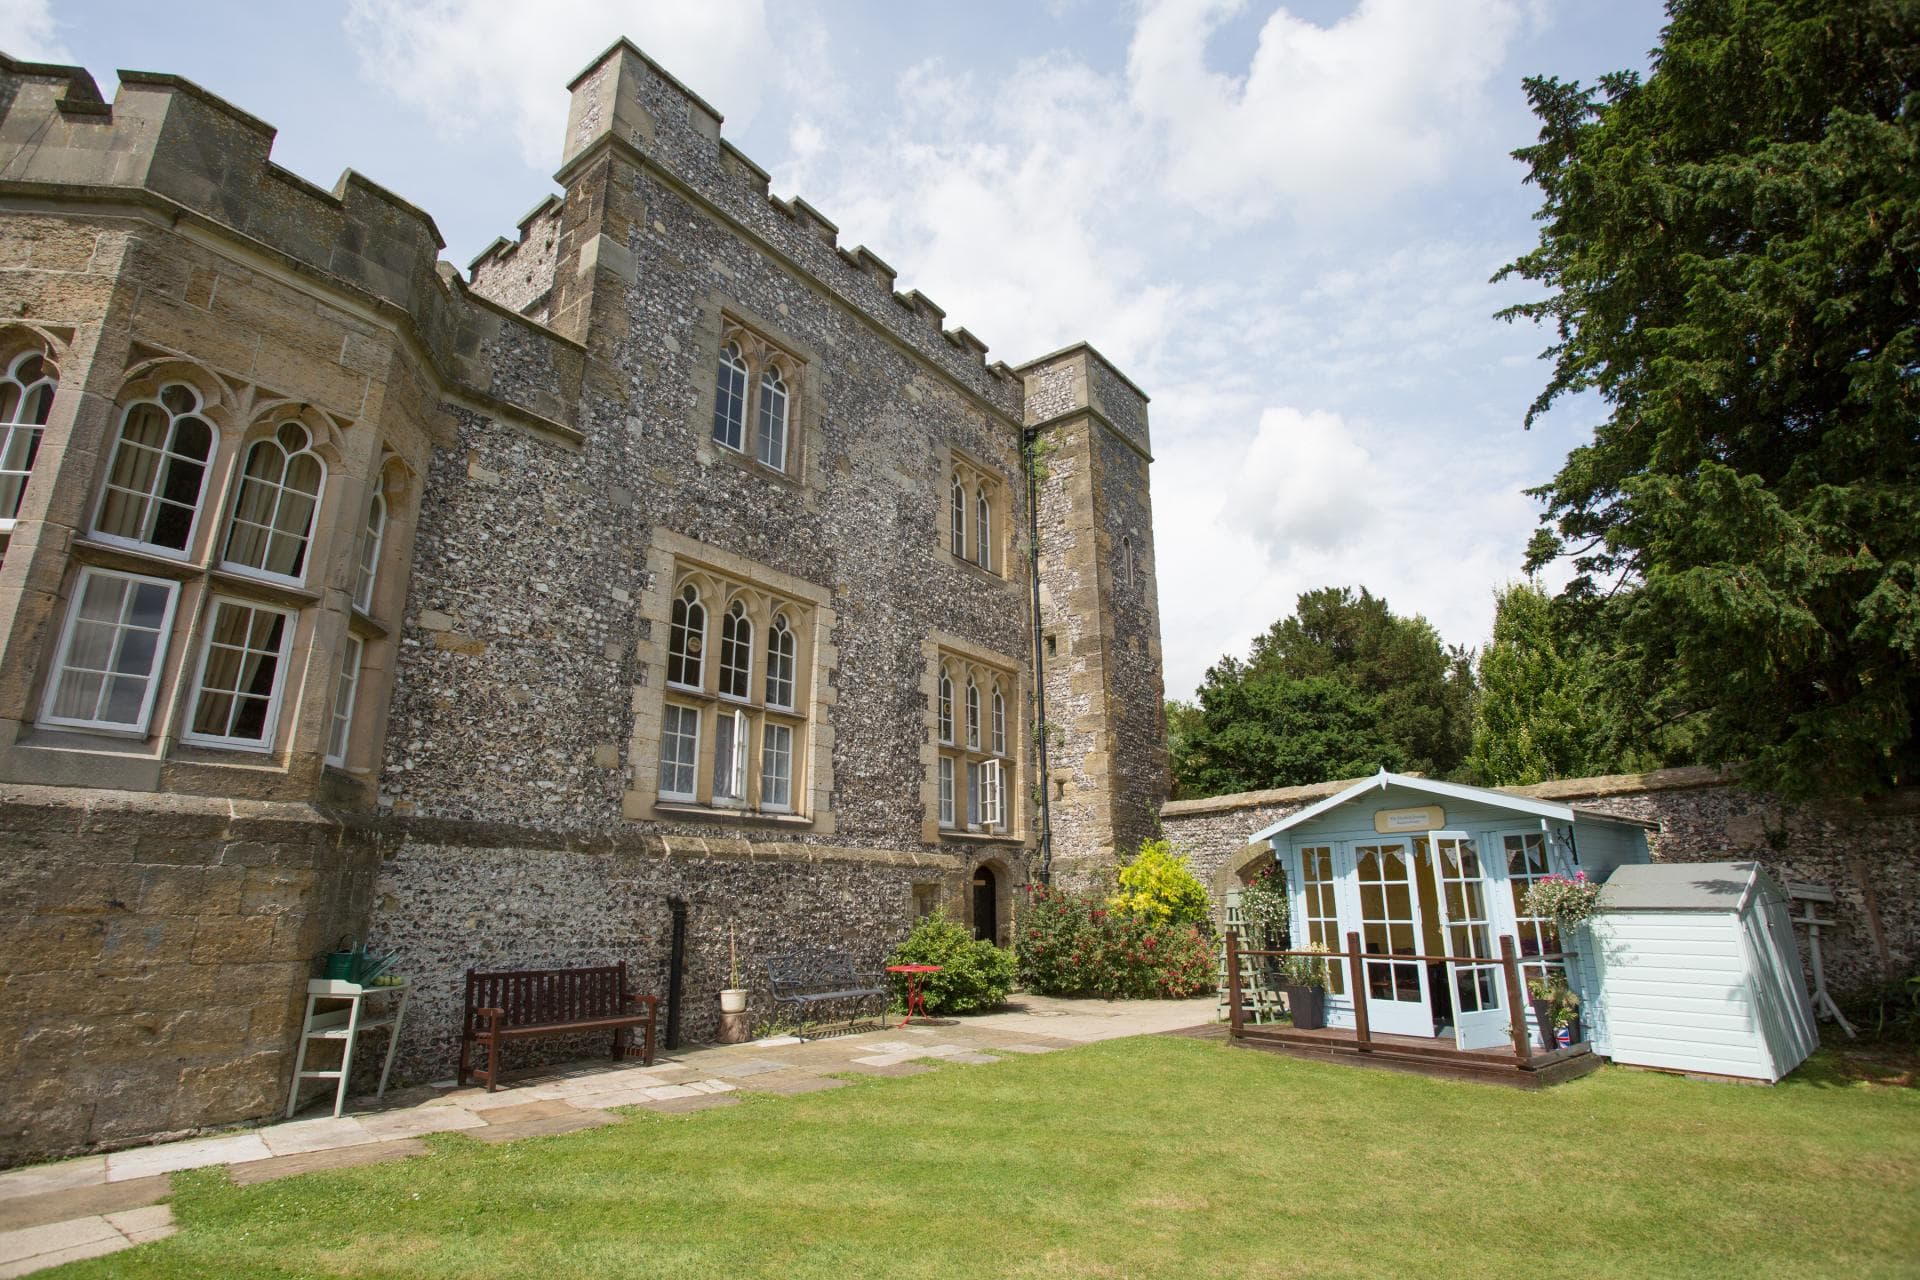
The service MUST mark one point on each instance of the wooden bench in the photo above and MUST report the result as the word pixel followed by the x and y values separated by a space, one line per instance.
pixel 798 984
pixel 522 1004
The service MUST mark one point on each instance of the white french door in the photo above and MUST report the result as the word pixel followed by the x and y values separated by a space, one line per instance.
pixel 1480 1019
pixel 1390 925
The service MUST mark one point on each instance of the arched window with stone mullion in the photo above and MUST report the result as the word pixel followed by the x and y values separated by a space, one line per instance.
pixel 157 475
pixel 957 515
pixel 770 432
pixel 736 652
pixel 273 513
pixel 781 646
pixel 26 399
pixel 686 637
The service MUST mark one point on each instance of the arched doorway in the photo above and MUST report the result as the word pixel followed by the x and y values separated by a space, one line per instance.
pixel 986 905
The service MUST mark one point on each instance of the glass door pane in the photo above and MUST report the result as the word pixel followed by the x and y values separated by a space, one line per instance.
pixel 1396 991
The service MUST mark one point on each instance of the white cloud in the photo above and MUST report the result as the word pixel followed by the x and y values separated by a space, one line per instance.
pixel 502 64
pixel 28 32
pixel 1324 118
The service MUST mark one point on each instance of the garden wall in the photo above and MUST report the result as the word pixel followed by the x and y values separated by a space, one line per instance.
pixel 1869 854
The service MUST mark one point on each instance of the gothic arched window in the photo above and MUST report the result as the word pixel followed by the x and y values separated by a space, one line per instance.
pixel 158 473
pixel 274 511
pixel 686 636
pixel 730 400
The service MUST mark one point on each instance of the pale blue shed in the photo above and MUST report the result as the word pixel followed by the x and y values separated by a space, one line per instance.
pixel 1697 970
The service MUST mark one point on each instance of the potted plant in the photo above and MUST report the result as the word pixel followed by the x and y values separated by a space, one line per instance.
pixel 1568 901
pixel 1557 1009
pixel 1264 906
pixel 1304 979
pixel 734 998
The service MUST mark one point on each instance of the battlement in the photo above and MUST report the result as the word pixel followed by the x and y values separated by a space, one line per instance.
pixel 165 141
pixel 627 96
pixel 1078 379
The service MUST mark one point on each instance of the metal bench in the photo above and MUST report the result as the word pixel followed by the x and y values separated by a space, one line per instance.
pixel 520 1004
pixel 800 984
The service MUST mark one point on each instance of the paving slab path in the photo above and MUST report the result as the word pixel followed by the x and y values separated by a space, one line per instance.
pixel 99 1204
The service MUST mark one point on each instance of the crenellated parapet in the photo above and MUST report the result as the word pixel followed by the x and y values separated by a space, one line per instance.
pixel 168 146
pixel 626 100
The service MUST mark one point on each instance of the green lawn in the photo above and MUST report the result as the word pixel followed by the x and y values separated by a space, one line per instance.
pixel 1141 1157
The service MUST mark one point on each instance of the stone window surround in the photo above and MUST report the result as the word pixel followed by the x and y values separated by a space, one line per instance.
pixel 975 476
pixel 670 558
pixel 16 345
pixel 724 320
pixel 316 646
pixel 961 653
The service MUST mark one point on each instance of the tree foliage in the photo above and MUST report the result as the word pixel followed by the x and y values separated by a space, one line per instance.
pixel 1732 253
pixel 1546 707
pixel 1337 690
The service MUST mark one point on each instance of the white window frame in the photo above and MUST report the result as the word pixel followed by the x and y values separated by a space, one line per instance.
pixel 241 481
pixel 271 725
pixel 372 538
pixel 943 714
pixel 137 729
pixel 732 362
pixel 151 496
pixel 983 529
pixel 991 816
pixel 768 754
pixel 945 772
pixel 973 714
pixel 346 691
pixel 772 384
pixel 736 621
pixel 957 515
pixel 697 660
pixel 22 422
pixel 740 729
pixel 973 795
pixel 999 721
pixel 782 657
pixel 692 763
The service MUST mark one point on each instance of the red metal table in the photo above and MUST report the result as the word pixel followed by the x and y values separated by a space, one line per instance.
pixel 914 999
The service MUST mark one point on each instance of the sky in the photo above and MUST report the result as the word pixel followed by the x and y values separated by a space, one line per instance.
pixel 1279 219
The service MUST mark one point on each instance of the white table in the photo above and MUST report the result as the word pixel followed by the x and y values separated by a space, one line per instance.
pixel 347 1015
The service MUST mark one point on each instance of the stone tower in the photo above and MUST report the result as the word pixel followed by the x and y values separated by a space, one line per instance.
pixel 1099 612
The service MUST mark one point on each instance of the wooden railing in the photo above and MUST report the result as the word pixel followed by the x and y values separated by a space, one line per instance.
pixel 1509 962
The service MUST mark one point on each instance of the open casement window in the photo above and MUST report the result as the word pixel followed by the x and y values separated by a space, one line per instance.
pixel 679 752
pixel 730 734
pixel 736 652
pixel 990 793
pixel 274 511
pixel 107 669
pixel 26 399
pixel 730 739
pixel 730 400
pixel 157 474
pixel 236 695
pixel 687 635
pixel 367 565
pixel 946 791
pixel 780 650
pixel 344 689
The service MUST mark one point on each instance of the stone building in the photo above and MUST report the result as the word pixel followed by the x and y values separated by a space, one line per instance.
pixel 671 554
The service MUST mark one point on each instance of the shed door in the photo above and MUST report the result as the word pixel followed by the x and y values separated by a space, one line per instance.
pixel 1479 1010
pixel 1396 993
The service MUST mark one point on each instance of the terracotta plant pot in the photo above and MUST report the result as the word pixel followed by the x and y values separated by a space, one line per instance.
pixel 1308 1005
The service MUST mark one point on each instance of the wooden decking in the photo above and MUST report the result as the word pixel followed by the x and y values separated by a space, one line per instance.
pixel 1424 1056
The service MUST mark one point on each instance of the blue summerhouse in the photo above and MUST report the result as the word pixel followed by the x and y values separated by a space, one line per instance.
pixel 1429 878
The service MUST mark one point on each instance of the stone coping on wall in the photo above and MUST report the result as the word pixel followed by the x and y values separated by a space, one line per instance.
pixel 26 808
pixel 1617 784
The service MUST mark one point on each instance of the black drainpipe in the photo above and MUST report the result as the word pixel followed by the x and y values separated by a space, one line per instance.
pixel 676 963
pixel 1039 660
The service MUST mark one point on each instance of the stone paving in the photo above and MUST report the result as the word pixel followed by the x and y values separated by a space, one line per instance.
pixel 94 1205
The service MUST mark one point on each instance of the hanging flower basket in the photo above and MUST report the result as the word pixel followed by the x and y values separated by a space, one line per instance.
pixel 1567 900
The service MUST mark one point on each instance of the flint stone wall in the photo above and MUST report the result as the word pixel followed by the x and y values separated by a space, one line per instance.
pixel 1869 855
pixel 154 953
pixel 447 900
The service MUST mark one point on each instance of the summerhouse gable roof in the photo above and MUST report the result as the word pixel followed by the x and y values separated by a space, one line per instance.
pixel 1380 781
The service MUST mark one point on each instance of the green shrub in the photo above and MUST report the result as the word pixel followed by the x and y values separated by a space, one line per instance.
pixel 1158 887
pixel 973 974
pixel 1073 944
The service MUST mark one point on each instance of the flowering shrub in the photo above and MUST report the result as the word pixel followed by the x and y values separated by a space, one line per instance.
pixel 1157 886
pixel 1073 944
pixel 973 974
pixel 1566 901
